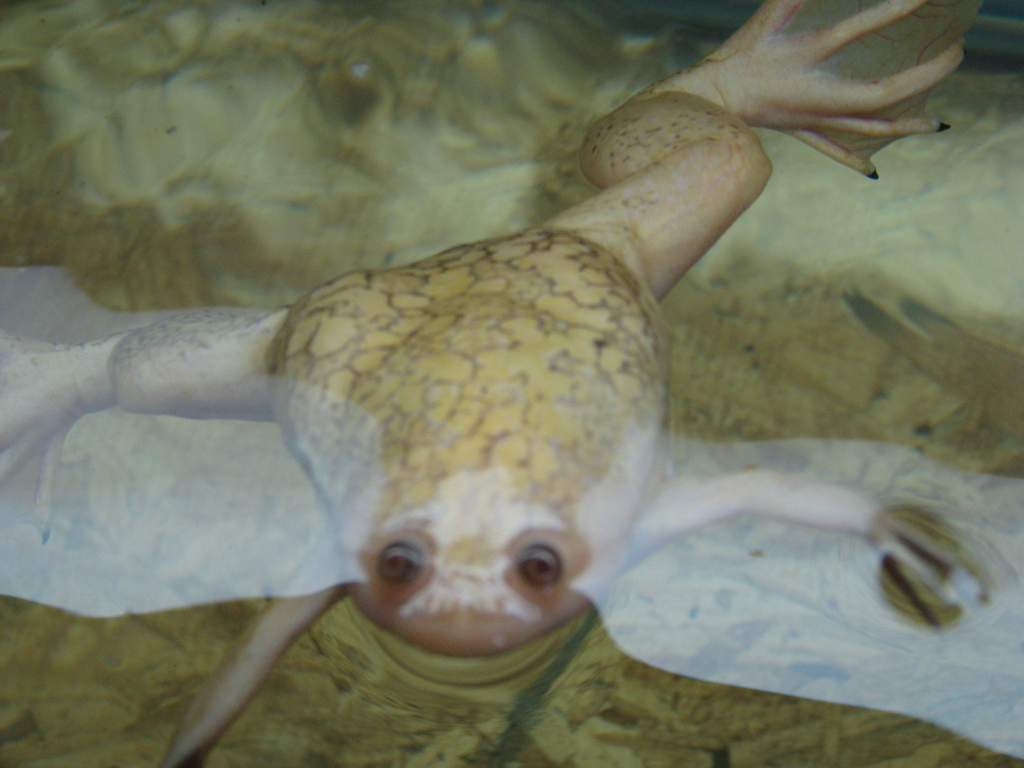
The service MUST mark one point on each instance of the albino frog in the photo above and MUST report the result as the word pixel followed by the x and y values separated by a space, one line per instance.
pixel 489 422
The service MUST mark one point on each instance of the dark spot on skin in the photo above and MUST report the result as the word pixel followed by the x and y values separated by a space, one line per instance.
pixel 600 343
pixel 749 347
pixel 923 430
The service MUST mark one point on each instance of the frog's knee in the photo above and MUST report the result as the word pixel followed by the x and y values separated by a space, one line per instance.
pixel 647 130
pixel 748 163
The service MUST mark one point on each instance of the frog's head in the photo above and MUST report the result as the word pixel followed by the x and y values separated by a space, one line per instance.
pixel 483 567
pixel 477 513
pixel 474 571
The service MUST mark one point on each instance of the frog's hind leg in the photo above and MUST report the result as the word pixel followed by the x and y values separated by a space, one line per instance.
pixel 678 170
pixel 41 396
pixel 41 453
pixel 679 161
pixel 200 364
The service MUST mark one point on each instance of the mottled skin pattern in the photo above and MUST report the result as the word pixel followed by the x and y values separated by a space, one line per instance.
pixel 485 425
pixel 533 353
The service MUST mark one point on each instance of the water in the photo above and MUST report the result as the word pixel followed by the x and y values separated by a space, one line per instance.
pixel 169 155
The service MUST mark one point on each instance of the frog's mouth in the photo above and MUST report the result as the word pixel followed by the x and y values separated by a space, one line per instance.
pixel 512 666
pixel 462 632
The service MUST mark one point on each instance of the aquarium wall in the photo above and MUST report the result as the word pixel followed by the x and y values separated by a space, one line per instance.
pixel 998 33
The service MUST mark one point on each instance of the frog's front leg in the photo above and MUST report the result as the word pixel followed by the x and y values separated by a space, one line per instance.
pixel 691 503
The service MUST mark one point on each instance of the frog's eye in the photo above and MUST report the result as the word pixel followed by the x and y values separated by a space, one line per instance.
pixel 400 562
pixel 539 565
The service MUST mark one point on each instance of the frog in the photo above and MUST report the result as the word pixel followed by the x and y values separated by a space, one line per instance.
pixel 490 423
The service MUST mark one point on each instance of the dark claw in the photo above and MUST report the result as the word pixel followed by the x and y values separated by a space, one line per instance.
pixel 943 127
pixel 873 175
pixel 940 565
pixel 892 567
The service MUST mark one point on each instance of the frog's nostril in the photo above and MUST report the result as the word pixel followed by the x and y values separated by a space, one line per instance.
pixel 400 562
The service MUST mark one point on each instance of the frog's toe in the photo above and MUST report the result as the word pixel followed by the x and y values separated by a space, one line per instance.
pixel 857 117
pixel 852 140
pixel 881 128
pixel 938 569
pixel 891 566
pixel 844 152
pixel 876 18
pixel 866 97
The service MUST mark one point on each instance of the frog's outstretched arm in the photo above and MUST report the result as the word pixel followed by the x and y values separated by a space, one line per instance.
pixel 679 161
pixel 691 503
pixel 200 364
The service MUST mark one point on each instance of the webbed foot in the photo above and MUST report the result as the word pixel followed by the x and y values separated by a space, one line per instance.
pixel 845 85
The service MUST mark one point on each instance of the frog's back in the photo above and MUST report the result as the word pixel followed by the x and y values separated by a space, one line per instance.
pixel 533 353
